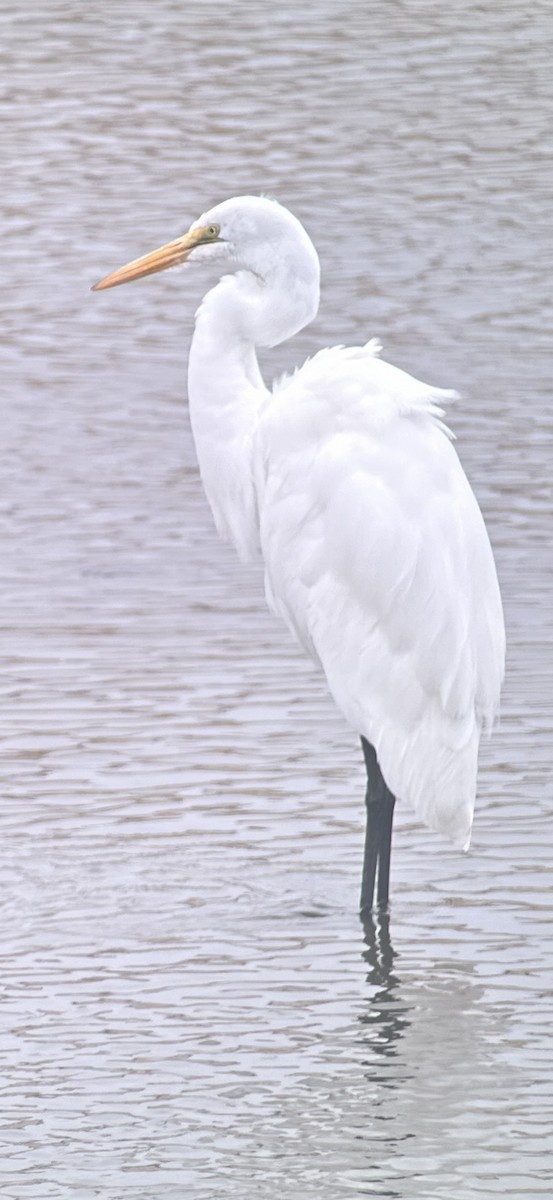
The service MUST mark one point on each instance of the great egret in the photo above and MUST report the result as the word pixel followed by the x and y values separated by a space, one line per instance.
pixel 376 554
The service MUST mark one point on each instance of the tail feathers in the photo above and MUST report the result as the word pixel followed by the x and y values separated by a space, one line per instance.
pixel 437 777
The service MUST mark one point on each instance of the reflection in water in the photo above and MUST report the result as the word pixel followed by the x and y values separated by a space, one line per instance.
pixel 380 953
pixel 431 1056
pixel 386 1019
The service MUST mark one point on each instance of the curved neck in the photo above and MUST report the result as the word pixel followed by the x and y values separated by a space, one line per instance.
pixel 226 390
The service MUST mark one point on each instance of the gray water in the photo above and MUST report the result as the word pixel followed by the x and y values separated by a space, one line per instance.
pixel 188 1005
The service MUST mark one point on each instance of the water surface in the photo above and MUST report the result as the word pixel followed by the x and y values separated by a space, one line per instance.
pixel 189 1007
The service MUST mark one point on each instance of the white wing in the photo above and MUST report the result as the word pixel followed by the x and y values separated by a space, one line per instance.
pixel 378 559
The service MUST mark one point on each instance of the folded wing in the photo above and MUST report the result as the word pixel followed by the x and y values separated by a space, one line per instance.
pixel 378 559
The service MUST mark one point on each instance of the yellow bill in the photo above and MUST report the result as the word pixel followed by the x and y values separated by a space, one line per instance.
pixel 170 255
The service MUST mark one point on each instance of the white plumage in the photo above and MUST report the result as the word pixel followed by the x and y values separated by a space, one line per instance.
pixel 377 558
pixel 376 555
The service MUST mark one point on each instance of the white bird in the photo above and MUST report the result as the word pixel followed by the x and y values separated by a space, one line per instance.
pixel 344 475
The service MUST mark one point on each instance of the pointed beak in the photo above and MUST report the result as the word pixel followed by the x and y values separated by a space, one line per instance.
pixel 170 255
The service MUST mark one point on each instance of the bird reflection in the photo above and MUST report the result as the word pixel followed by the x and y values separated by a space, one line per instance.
pixel 385 1021
pixel 423 1042
pixel 380 953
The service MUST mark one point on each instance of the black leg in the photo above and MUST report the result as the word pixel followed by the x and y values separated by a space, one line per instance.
pixel 370 859
pixel 386 822
pixel 378 838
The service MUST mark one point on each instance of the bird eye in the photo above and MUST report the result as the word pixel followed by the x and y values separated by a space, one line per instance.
pixel 213 230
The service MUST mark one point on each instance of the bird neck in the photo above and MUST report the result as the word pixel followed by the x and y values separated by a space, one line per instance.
pixel 225 392
pixel 225 387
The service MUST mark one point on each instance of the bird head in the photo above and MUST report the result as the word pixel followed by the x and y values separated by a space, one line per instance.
pixel 250 233
pixel 279 291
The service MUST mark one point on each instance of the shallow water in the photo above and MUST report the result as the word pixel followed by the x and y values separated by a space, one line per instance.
pixel 188 1005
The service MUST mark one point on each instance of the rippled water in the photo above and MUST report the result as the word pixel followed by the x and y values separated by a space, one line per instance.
pixel 188 1005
